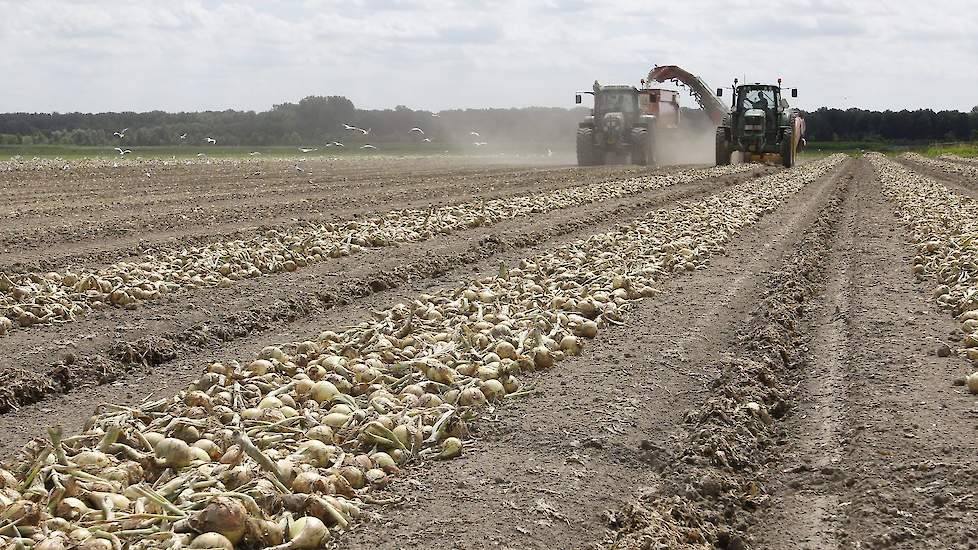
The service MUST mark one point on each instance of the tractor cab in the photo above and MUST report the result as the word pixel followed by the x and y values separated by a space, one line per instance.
pixel 757 108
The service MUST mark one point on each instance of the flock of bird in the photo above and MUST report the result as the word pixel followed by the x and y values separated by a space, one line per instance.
pixel 121 134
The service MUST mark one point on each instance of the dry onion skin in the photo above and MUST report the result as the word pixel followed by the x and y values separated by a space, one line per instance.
pixel 944 229
pixel 42 298
pixel 280 451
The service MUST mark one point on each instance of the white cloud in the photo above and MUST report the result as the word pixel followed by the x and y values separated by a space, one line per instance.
pixel 93 55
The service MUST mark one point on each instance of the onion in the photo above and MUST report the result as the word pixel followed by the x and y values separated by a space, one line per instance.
pixel 972 382
pixel 92 458
pixel 175 453
pixel 323 391
pixel 71 509
pixel 450 448
pixel 270 402
pixel 493 390
pixel 321 433
pixel 316 453
pixel 212 540
pixel 471 396
pixel 223 515
pixel 307 533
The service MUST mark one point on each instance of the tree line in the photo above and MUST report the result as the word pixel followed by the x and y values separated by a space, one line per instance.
pixel 317 120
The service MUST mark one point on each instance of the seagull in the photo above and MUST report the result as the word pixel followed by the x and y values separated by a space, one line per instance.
pixel 349 127
pixel 298 168
pixel 436 115
pixel 253 154
pixel 418 130
pixel 426 140
pixel 368 146
pixel 120 134
pixel 122 151
pixel 201 155
pixel 183 135
pixel 210 140
pixel 476 134
pixel 305 150
pixel 550 153
pixel 480 143
pixel 338 144
pixel 365 132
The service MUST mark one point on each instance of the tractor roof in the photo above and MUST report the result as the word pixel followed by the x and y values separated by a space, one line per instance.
pixel 619 88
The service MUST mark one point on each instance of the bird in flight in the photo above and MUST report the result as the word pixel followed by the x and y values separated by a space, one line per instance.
pixel 122 152
pixel 349 127
pixel 368 146
pixel 121 133
pixel 426 140
pixel 480 143
pixel 183 135
pixel 254 154
pixel 210 140
pixel 417 130
pixel 476 134
pixel 338 144
pixel 436 115
pixel 305 150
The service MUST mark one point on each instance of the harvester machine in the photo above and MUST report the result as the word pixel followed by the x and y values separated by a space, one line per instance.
pixel 759 125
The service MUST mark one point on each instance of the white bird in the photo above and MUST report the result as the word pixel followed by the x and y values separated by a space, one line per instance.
pixel 210 140
pixel 201 155
pixel 427 140
pixel 349 127
pixel 298 168
pixel 121 133
pixel 550 153
pixel 122 151
pixel 480 143
pixel 418 130
pixel 254 153
pixel 305 150
pixel 338 144
pixel 476 134
pixel 183 135
pixel 368 146
pixel 365 132
pixel 436 115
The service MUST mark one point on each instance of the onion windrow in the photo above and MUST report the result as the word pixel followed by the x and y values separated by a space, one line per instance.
pixel 41 298
pixel 944 229
pixel 395 390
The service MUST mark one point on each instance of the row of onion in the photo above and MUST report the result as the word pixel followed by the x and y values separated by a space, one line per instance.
pixel 40 298
pixel 284 450
pixel 944 228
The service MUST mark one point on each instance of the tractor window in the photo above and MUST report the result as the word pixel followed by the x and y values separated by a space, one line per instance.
pixel 759 99
pixel 611 102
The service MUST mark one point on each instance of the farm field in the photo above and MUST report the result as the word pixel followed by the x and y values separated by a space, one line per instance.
pixel 442 352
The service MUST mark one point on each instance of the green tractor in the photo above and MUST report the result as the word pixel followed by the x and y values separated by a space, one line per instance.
pixel 617 128
pixel 760 125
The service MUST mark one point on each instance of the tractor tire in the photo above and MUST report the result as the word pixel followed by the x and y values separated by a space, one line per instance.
pixel 641 148
pixel 585 148
pixel 723 147
pixel 788 148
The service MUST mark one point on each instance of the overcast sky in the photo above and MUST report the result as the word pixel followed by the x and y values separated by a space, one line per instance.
pixel 99 55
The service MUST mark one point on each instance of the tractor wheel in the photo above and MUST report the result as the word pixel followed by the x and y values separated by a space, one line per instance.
pixel 641 148
pixel 723 147
pixel 788 148
pixel 585 148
